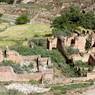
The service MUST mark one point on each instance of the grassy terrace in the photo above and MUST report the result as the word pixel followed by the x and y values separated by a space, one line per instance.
pixel 21 32
pixel 13 34
pixel 62 89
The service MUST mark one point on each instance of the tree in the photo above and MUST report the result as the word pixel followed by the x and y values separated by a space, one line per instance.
pixel 73 17
pixel 23 19
pixel 67 21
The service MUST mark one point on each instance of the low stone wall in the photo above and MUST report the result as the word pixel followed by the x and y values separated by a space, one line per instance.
pixel 51 43
pixel 14 56
pixel 7 74
pixel 90 76
pixel 83 58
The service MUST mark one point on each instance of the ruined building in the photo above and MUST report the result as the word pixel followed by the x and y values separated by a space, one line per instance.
pixel 42 67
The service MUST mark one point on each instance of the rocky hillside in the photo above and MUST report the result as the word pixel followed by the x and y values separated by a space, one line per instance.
pixel 43 10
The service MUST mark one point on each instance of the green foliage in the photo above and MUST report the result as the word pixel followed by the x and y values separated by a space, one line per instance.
pixel 23 19
pixel 61 90
pixel 67 70
pixel 71 19
pixel 90 69
pixel 68 21
pixel 88 20
pixel 71 50
pixel 88 43
pixel 81 64
pixel 33 82
pixel 81 68
pixel 7 1
pixel 38 50
pixel 56 57
pixel 40 42
pixel 17 67
pixel 1 14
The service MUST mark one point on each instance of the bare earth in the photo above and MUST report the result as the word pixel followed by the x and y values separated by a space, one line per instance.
pixel 90 91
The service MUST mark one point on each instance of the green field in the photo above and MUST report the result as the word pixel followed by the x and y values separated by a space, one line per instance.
pixel 22 32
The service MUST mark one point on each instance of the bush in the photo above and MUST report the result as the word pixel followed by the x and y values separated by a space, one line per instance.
pixel 88 44
pixel 1 14
pixel 33 82
pixel 23 19
pixel 7 1
pixel 71 50
pixel 17 67
pixel 40 42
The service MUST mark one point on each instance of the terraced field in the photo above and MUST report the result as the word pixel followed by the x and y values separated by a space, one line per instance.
pixel 22 32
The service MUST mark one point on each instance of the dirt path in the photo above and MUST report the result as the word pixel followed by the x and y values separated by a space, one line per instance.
pixel 91 91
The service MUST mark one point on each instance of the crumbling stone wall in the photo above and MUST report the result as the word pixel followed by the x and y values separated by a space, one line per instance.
pixel 51 43
pixel 91 60
pixel 7 73
pixel 75 41
pixel 14 56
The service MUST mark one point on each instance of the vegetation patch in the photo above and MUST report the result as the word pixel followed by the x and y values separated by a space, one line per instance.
pixel 71 19
pixel 62 89
pixel 26 31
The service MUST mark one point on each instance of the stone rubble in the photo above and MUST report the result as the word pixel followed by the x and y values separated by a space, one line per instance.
pixel 27 88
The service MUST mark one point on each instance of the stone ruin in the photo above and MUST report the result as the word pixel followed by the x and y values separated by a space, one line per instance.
pixel 91 59
pixel 52 43
pixel 42 67
pixel 7 74
pixel 76 41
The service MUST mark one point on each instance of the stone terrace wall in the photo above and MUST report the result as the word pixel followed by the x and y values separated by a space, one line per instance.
pixel 14 56
pixel 17 58
pixel 7 74
pixel 51 43
pixel 32 58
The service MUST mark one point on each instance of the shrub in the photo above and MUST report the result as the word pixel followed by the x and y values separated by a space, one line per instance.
pixel 88 44
pixel 1 14
pixel 40 42
pixel 23 19
pixel 38 50
pixel 71 50
pixel 17 67
pixel 33 82
pixel 7 1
